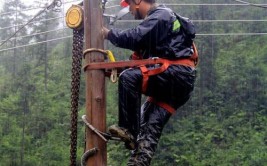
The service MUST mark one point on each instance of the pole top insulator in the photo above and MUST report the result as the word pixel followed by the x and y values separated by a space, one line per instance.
pixel 74 17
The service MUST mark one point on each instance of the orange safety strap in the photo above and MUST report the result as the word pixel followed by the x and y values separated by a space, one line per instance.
pixel 165 64
pixel 192 61
pixel 146 73
pixel 161 104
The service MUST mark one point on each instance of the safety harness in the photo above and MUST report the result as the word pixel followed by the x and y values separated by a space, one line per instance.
pixel 142 64
pixel 191 62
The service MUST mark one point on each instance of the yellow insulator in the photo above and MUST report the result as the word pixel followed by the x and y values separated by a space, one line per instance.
pixel 74 17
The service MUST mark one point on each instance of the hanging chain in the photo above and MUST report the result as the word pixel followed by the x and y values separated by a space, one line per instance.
pixel 77 54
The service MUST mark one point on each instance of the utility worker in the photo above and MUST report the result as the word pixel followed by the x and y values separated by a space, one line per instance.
pixel 165 35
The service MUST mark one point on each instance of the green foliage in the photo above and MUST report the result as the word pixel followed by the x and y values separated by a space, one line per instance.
pixel 223 124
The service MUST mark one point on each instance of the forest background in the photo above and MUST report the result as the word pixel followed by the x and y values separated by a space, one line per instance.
pixel 223 124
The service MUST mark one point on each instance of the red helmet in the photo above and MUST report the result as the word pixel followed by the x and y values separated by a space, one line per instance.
pixel 124 3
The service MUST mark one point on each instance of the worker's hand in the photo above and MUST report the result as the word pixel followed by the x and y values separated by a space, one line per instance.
pixel 135 56
pixel 105 32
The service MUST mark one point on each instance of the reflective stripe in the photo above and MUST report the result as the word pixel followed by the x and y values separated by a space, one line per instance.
pixel 176 25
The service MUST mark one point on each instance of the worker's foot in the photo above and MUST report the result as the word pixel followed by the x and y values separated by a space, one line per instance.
pixel 124 134
pixel 120 132
pixel 130 145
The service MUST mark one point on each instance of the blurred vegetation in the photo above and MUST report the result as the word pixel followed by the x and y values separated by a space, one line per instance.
pixel 223 124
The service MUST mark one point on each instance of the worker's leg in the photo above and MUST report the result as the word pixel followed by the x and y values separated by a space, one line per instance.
pixel 130 82
pixel 153 120
pixel 173 87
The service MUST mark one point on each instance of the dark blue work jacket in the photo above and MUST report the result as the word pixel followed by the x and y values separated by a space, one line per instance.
pixel 162 34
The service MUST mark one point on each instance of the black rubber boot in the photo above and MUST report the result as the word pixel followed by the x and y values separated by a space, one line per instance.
pixel 125 136
pixel 153 120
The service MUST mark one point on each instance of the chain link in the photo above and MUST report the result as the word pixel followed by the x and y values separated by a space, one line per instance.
pixel 77 54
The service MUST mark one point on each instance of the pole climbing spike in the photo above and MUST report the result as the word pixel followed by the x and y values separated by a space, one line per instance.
pixel 93 128
pixel 105 136
pixel 88 154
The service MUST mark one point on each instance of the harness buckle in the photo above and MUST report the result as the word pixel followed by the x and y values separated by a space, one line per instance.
pixel 155 58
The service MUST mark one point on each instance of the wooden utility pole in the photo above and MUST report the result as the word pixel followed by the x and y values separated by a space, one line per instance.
pixel 95 82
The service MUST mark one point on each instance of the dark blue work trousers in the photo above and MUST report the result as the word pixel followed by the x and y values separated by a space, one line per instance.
pixel 173 86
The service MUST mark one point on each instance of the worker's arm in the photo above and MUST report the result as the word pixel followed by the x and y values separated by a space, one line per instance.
pixel 147 34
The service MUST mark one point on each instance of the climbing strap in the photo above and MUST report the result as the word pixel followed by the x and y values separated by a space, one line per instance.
pixel 133 63
pixel 191 61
